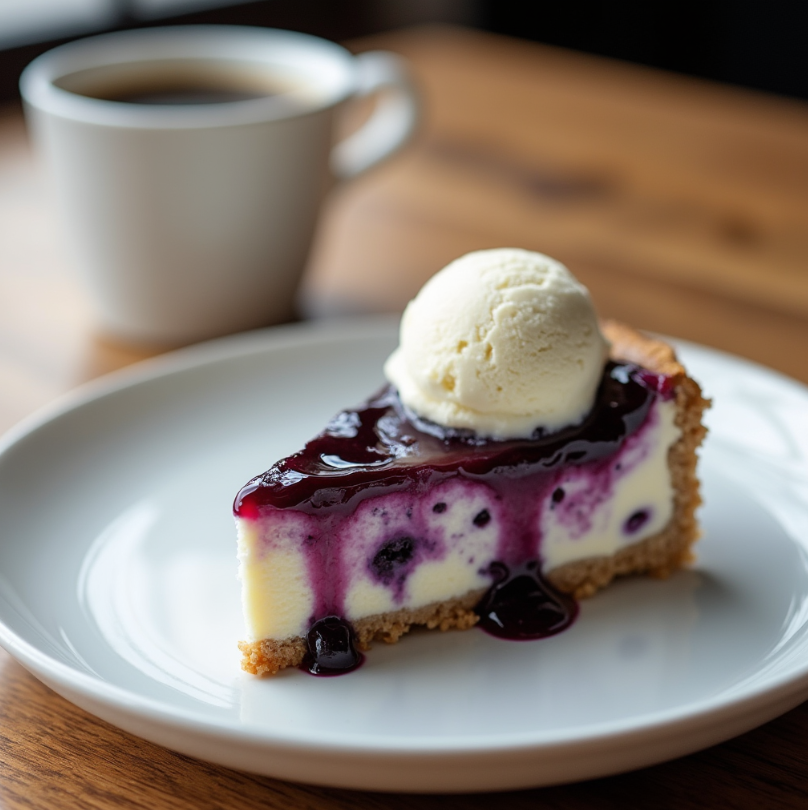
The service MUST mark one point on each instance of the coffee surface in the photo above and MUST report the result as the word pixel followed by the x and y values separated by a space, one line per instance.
pixel 182 93
pixel 179 83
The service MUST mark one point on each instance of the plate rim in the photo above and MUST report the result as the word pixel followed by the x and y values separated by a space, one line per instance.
pixel 738 701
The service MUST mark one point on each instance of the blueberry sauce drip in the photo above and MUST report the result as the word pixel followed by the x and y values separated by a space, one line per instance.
pixel 380 447
pixel 331 648
pixel 521 605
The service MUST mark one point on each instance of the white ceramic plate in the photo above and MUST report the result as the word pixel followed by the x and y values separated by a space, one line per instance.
pixel 118 587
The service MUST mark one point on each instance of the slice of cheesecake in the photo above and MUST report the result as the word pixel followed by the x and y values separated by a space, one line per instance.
pixel 385 520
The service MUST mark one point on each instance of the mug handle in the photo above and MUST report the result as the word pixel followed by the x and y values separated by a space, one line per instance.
pixel 390 125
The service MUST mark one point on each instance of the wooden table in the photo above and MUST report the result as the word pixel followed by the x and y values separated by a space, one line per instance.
pixel 681 204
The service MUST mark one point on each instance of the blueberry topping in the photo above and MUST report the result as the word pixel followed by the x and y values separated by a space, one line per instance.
pixel 392 557
pixel 439 507
pixel 370 445
pixel 482 518
pixel 522 605
pixel 636 521
pixel 331 648
pixel 558 495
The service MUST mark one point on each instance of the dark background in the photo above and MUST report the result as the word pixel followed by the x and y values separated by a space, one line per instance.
pixel 760 44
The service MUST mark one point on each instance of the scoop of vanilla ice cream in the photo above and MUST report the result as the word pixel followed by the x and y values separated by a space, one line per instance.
pixel 500 342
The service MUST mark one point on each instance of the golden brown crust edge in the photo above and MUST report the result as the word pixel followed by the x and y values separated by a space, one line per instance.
pixel 668 550
pixel 657 555
pixel 268 656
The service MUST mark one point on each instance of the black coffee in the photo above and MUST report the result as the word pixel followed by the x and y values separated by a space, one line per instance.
pixel 172 94
pixel 172 83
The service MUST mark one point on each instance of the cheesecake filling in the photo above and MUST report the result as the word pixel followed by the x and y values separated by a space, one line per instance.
pixel 384 510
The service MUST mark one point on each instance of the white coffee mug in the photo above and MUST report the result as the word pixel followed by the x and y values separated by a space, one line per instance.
pixel 194 220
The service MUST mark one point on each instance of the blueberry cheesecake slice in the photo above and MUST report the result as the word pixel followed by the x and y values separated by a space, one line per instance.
pixel 521 457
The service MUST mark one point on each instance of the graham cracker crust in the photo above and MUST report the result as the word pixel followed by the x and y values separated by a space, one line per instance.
pixel 656 556
pixel 670 549
pixel 268 656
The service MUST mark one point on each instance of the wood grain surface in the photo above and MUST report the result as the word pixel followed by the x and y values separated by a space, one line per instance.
pixel 681 204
